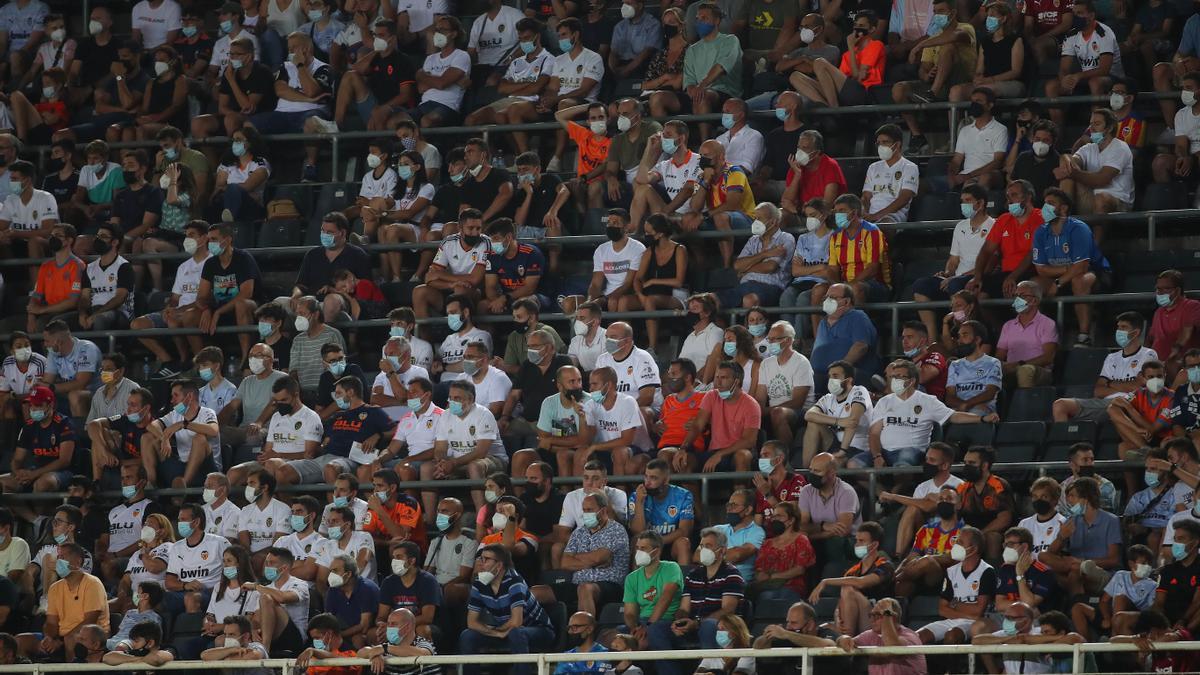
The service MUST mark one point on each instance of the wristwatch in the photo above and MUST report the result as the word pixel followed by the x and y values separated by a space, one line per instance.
pixel 120 78
pixel 1020 578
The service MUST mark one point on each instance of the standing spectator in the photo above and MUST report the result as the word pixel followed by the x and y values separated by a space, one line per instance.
pixel 891 183
pixel 970 235
pixel 1029 341
pixel 1172 330
pixel 1092 47
pixel 1101 172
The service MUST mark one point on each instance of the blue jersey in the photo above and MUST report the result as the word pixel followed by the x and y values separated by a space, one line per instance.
pixel 590 667
pixel 1074 244
pixel 359 424
pixel 664 516
pixel 44 443
pixel 528 262
pixel 970 377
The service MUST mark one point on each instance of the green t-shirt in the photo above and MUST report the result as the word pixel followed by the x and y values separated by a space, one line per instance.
pixel 629 154
pixel 645 591
pixel 725 51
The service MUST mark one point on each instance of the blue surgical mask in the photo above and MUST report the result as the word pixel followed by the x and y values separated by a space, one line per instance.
pixel 1096 137
pixel 938 23
pixel 270 573
pixel 729 348
pixel 861 552
pixel 1049 213
pixel 298 523
pixel 781 114
pixel 185 529
pixel 1178 552
pixel 765 466
pixel 968 210
pixel 180 408
pixel 230 572
pixel 1163 299
pixel 457 178
pixel 1010 626
pixel 1077 509
pixel 443 522
pixel 414 404
pixel 723 638
pixel 393 633
pixel 37 415
pixel 527 47
pixel 992 24
pixel 565 44
pixel 60 539
pixel 757 329
pixel 841 220
pixel 727 120
pixel 327 240
pixel 315 15
pixel 703 28
pixel 455 408
pixel 725 393
pixel 774 349
pixel 1019 305
pixel 912 352
pixel 128 491
pixel 338 367
pixel 236 64
pixel 171 154
pixel 206 374
pixel 404 171
pixel 1151 478
pixel 397 331
pixel 342 403
pixel 62 568
pixel 341 502
pixel 1194 374
pixel 1122 338
pixel 238 148
pixel 335 532
pixel 265 328
pixel 394 361
pixel 1017 210
pixel 382 496
pixel 226 26
pixel 668 145
pixel 497 247
pixel 525 178
pixel 318 644
pixel 215 249
pixel 454 321
pixel 597 396
pixel 135 417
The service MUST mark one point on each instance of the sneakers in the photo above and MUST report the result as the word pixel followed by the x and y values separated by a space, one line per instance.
pixel 309 174
pixel 554 165
pixel 167 372
pixel 918 145
pixel 1083 340
pixel 325 126
pixel 760 66
pixel 226 216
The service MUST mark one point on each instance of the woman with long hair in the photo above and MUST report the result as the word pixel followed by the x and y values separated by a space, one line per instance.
pixel 414 194
pixel 241 179
pixel 732 633
pixel 495 486
pixel 783 560
pixel 738 346
pixel 227 599
pixel 659 283
pixel 148 562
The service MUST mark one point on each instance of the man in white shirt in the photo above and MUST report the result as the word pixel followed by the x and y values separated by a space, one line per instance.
pixel 195 561
pixel 293 440
pixel 1182 161
pixel 181 310
pixel 902 422
pixel 785 383
pixel 345 496
pixel 615 262
pixel 156 22
pixel 526 77
pixel 839 421
pixel 415 436
pixel 493 35
pixel 467 444
pixel 458 267
pixel 981 146
pixel 403 324
pixel 588 342
pixel 891 183
pixel 193 432
pixel 1101 172
pixel 282 605
pixel 304 87
pixel 576 80
pixel 619 426
pixel 396 371
pixel 263 519
pixel 969 236
pixel 28 215
pixel 492 384
pixel 1118 376
pixel 743 143
pixel 440 79
pixel 918 508
pixel 636 370
pixel 667 174
pixel 220 514
pixel 304 542
pixel 1092 48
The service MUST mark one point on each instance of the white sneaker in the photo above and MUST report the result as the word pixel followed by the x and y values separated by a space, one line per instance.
pixel 554 165
pixel 760 66
pixel 325 126
pixel 226 216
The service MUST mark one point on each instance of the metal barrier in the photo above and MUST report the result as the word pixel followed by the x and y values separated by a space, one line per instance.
pixel 545 663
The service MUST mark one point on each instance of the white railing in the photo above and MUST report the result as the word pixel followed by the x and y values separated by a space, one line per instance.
pixel 545 662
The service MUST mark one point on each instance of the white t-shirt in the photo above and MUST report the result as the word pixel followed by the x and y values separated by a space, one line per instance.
pixel 908 423
pixel 447 557
pixel 493 38
pixel 125 524
pixel 358 506
pixel 831 406
pixel 384 186
pixel 455 346
pixel 320 71
pixel 417 432
pixel 494 387
pixel 297 611
pixel 289 433
pixel 457 259
pixel 223 520
pixel 1117 155
pixel 886 181
pixel 422 351
pixel 1187 123
pixel 586 353
pixel 676 176
pixel 187 280
pixel 421 13
pixel 744 149
pixel 781 379
pixel 235 601
pixel 1120 369
pixel 183 437
pixel 154 23
pixel 103 284
pixel 409 197
pixel 15 556
pixel 527 69
pixel 303 549
pixel 616 264
pixel 572 510
pixel 966 244
pixel 264 525
pixel 979 146
pixel 1044 533
pixel 698 346
pixel 1178 517
pixel 572 72
pixel 929 488
pixel 25 217
pixel 436 65
pixel 384 383
pixel 20 383
pixel 220 55
pixel 1088 50
pixel 201 562
pixel 462 433
pixel 637 370
pixel 624 415
pixel 56 56
pixel 356 541
pixel 136 568
pixel 89 176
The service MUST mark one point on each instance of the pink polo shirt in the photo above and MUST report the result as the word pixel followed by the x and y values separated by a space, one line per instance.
pixel 728 419
pixel 893 665
pixel 1025 343
pixel 1169 321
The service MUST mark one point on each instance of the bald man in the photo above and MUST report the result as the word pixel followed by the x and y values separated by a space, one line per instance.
pixel 637 371
pixel 399 638
pixel 723 198
pixel 581 639
pixel 253 402
pixel 829 510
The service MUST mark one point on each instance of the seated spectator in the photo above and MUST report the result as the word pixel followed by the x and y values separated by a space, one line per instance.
pixel 304 541
pixel 1028 342
pixel 926 562
pixel 733 418
pixel 196 562
pixel 964 306
pixel 312 334
pixel 221 514
pixel 761 264
pixel 861 66
pixel 562 425
pixel 1100 174
pixel 231 19
pixel 931 363
pixel 1148 510
pixel 947 55
pixel 712 69
pixel 346 537
pixel 967 594
pixel 970 235
pixel 62 174
pixel 1037 164
pixel 186 440
pixel 593 143
pixel 182 308
pixel 106 298
pixel 492 385
pixel 845 334
pixel 1172 330
pixel 392 515
pixel 681 406
pixel 980 150
pixel 974 379
pixel 407 587
pixel 442 76
pixel 1139 419
pixel 330 644
pixel 403 323
pixel 1176 590
pixel 925 497
pixel 520 87
pixel 705 336
pixel 1092 48
pixel 502 609
pixel 1081 460
pixel 381 82
pixel 635 39
pixel 537 204
pixel 665 185
pixel 402 638
pixel 743 144
pixel 396 372
pixel 615 263
pixel 629 145
pixel 353 599
pixel 986 501
pixel 597 552
pixel 664 75
pixel 1179 164
pixel 864 265
pixel 743 535
pixel 459 313
pixel 1129 593
pixel 1012 237
pixel 635 369
pixel 228 285
pixel 467 442
pixel 1046 519
pixel 452 553
pixel 116 439
pixel 829 510
pixel 246 88
pixel 65 618
pixel 252 400
pixel 1118 376
pixel 457 272
pixel 333 358
pixel 1021 581
pixel 304 87
pixel 71 363
pixel 723 198
pixel 58 50
pixel 840 420
pixel 335 253
pixel 785 383
pixel 618 426
pixel 868 580
pixel 112 397
pixel 809 266
pixel 165 100
pixel 886 630
pixel 29 214
pixel 194 45
pixel 784 559
pixel 1088 543
pixel 236 642
pixel 264 519
pixel 145 642
pixel 283 605
pixel 891 183
pixel 1000 66
pixel 44 449
pixel 117 97
pixel 511 280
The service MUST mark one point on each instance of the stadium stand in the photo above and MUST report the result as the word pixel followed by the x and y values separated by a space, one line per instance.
pixel 358 328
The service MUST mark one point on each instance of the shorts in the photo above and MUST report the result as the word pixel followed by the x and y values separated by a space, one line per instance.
pixel 737 221
pixel 313 470
pixel 1092 409
pixel 156 319
pixel 897 457
pixel 939 628
pixel 275 122
pixel 289 643
pixel 502 104
pixel 173 467
pixel 852 93
pixel 531 232
pixel 61 478
pixel 490 464
pixel 448 116
pixel 931 286
pixel 725 466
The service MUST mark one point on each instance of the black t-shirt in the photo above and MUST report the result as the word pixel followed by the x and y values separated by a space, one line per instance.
pixel 130 434
pixel 191 52
pixel 227 280
pixel 130 206
pixel 598 33
pixel 1179 582
pixel 62 189
pixel 1040 174
pixel 446 202
pixel 260 81
pixel 781 144
pixel 387 74
pixel 316 270
pixel 95 59
pixel 43 444
pixel 283 352
pixel 481 193
pixel 541 517
pixel 136 83
pixel 536 386
pixel 544 193
pixel 325 384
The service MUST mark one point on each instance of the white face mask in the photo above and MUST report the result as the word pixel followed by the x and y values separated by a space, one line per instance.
pixel 1115 100
pixel 440 40
pixel 1142 570
pixel 598 126
pixel 257 365
pixel 813 224
pixel 641 559
pixel 485 577
pixel 627 11
pixel 251 493
pixel 1041 149
pixel 624 123
pixel 164 181
pixel 210 495
pixel 336 580
pixel 499 521
pixel 302 323
pixel 95 27
pixel 807 35
pixel 958 553
pixel 1188 97
pixel 885 152
pixel 380 44
pixel 58 35
pixel 161 68
pixel 802 157
pixel 399 567
pixel 1155 384
pixel 898 386
pixel 579 327
pixel 707 557
pixel 190 246
pixel 232 642
pixel 23 354
pixel 758 227
pixel 829 306
pixel 148 533
pixel 1010 555
pixel 374 161
pixel 834 386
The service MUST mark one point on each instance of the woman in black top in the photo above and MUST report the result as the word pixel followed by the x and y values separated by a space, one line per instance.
pixel 659 283
pixel 1001 63
pixel 165 101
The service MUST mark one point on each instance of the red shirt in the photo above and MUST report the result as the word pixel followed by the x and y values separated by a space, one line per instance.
pixel 366 291
pixel 936 386
pixel 800 554
pixel 727 419
pixel 1176 660
pixel 1014 239
pixel 1169 322
pixel 1046 13
pixel 813 181
pixel 788 491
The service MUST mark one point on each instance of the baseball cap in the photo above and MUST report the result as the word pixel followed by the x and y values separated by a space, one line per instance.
pixel 41 395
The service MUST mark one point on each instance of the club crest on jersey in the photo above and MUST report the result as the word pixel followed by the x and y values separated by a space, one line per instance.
pixel 362 416
pixel 204 555
pixel 672 511
pixel 269 522
pixel 917 409
pixel 298 425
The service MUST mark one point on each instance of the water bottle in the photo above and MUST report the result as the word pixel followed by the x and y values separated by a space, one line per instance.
pixel 145 370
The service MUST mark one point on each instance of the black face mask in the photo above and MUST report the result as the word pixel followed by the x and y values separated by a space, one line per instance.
pixel 139 652
pixel 472 240
pixel 816 481
pixel 130 177
pixel 975 109
pixel 574 394
pixel 929 470
pixel 614 234
pixel 733 518
pixel 1042 506
pixel 945 510
pixel 706 163
pixel 775 528
pixel 100 246
pixel 54 165
pixel 972 473
pixel 575 640
pixel 81 652
pixel 1087 471
pixel 1023 124
pixel 963 351
pixel 692 319
pixel 54 244
pixel 670 31
pixel 284 409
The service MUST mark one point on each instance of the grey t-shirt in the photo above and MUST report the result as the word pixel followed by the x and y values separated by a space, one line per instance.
pixel 255 394
pixel 829 52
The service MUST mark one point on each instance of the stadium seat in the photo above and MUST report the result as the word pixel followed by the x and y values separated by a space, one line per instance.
pixel 281 232
pixel 1077 391
pixel 825 608
pixel 936 206
pixel 188 625
pixel 1107 441
pixel 1164 196
pixel 1019 441
pixel 963 436
pixel 772 610
pixel 1082 366
pixel 611 615
pixel 1030 404
pixel 922 609
pixel 1062 435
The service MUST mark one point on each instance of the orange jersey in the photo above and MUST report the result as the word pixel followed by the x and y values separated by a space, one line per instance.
pixel 675 414
pixel 592 152
pixel 405 513
pixel 56 283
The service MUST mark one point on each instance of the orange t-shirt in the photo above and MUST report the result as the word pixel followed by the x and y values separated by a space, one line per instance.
pixel 873 55
pixel 406 513
pixel 1014 239
pixel 55 284
pixel 592 152
pixel 337 670
pixel 675 414
pixel 519 535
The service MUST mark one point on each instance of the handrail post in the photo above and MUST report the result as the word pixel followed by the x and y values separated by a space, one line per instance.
pixel 806 663
pixel 1060 311
pixel 334 148
pixel 953 125
pixel 896 329
pixel 872 484
pixel 1151 231
pixel 1077 658
pixel 704 489
pixel 543 667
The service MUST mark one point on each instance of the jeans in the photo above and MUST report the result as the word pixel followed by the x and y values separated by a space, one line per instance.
pixel 173 600
pixel 797 296
pixel 523 640
pixel 660 636
pixel 783 594
pixel 240 203
pixel 896 457
pixel 763 101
